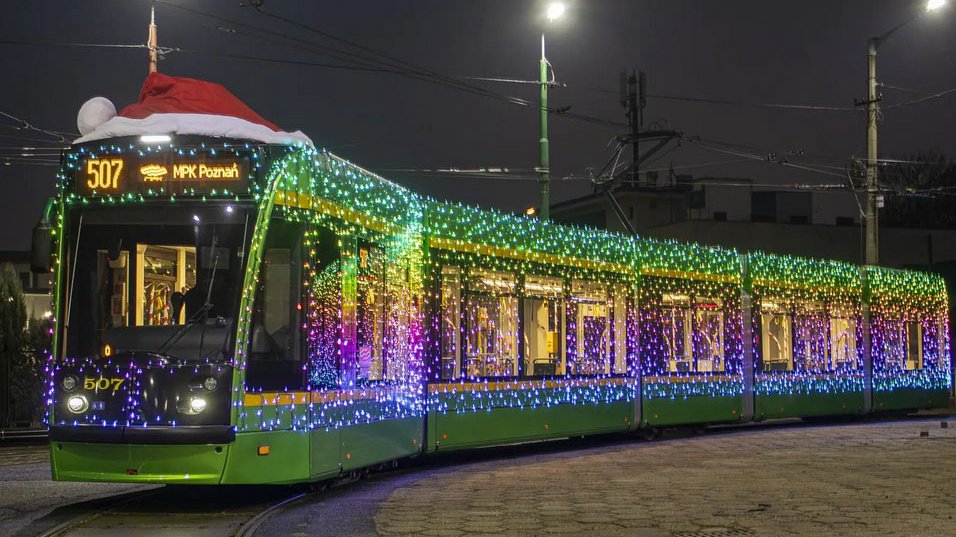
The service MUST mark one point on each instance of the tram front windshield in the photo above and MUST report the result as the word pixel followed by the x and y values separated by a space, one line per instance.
pixel 163 280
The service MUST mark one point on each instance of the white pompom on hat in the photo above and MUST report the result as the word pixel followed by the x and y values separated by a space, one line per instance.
pixel 94 113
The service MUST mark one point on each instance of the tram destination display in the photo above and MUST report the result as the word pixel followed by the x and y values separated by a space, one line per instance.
pixel 112 175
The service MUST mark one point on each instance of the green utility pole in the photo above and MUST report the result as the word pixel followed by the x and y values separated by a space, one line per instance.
pixel 544 183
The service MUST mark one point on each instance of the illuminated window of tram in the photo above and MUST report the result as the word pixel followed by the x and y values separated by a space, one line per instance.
pixel 843 353
pixel 589 328
pixel 914 346
pixel 619 302
pixel 902 344
pixel 370 313
pixel 450 319
pixel 810 337
pixel 776 336
pixel 894 343
pixel 323 308
pixel 693 331
pixel 708 335
pixel 163 277
pixel 678 341
pixel 401 307
pixel 543 317
pixel 491 310
pixel 933 339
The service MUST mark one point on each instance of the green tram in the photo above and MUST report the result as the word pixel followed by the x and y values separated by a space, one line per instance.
pixel 231 312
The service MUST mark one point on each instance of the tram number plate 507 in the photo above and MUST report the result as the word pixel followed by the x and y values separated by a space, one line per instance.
pixel 102 384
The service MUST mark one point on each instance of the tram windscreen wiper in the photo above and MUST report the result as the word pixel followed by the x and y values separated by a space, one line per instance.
pixel 202 312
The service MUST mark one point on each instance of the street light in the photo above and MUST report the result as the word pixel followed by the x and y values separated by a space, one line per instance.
pixel 555 11
pixel 872 111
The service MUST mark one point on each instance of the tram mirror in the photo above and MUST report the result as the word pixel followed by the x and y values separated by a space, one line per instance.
pixel 113 253
pixel 41 248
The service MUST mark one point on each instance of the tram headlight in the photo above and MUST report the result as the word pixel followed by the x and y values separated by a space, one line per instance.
pixel 197 405
pixel 77 404
pixel 210 383
pixel 68 382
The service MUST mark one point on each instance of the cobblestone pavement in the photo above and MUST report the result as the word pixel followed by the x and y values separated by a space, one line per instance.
pixel 889 479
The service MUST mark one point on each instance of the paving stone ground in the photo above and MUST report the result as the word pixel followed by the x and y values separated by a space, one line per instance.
pixel 882 478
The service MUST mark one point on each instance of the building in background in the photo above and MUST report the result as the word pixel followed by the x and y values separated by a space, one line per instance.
pixel 735 213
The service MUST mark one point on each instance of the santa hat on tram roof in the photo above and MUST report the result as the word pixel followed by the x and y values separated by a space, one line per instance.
pixel 177 105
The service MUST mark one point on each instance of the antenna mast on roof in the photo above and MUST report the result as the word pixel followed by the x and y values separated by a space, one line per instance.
pixel 152 43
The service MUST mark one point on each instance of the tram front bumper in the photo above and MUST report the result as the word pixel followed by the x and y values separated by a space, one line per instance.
pixel 199 464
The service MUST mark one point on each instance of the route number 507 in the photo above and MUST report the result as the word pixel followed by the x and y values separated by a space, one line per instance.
pixel 102 383
pixel 103 174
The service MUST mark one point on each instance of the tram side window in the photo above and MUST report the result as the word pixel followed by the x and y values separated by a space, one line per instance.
pixel 401 310
pixel 589 328
pixel 693 331
pixel 914 346
pixel 274 355
pixel 894 344
pixel 619 302
pixel 676 325
pixel 776 336
pixel 450 322
pixel 843 351
pixel 708 335
pixel 934 341
pixel 491 310
pixel 370 313
pixel 810 338
pixel 324 308
pixel 543 316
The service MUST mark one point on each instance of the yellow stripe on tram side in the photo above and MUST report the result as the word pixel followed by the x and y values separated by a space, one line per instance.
pixel 679 379
pixel 455 245
pixel 689 275
pixel 305 201
pixel 829 289
pixel 466 387
pixel 303 397
pixel 289 198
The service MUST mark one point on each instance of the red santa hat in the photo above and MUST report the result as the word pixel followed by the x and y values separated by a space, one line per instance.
pixel 177 105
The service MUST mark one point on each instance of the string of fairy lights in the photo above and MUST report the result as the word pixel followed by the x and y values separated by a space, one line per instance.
pixel 413 305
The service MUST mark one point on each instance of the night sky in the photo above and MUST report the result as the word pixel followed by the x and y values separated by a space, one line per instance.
pixel 749 52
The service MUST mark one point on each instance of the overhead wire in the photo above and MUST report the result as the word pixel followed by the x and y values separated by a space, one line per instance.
pixel 373 60
pixel 26 125
pixel 761 158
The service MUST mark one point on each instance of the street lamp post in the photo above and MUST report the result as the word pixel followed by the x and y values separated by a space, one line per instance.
pixel 871 216
pixel 555 11
pixel 544 181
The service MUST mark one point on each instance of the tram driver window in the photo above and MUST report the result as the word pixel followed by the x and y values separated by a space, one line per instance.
pixel 543 314
pixel 775 331
pixel 274 358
